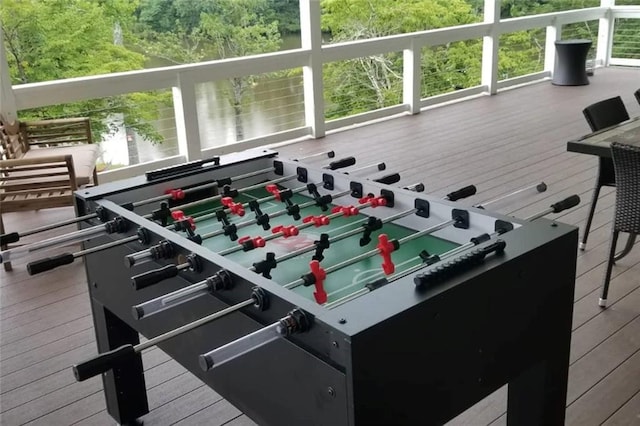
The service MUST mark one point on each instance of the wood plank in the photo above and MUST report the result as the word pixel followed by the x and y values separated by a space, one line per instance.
pixel 606 357
pixel 604 399
pixel 42 338
pixel 219 413
pixel 47 298
pixel 628 414
pixel 31 323
pixel 59 347
pixel 241 421
pixel 179 408
pixel 47 395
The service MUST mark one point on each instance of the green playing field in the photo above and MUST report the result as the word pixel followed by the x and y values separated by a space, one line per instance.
pixel 339 283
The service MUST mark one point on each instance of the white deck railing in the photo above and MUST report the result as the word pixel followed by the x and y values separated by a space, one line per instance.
pixel 182 79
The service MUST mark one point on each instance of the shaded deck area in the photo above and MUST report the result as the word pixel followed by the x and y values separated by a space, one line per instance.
pixel 499 143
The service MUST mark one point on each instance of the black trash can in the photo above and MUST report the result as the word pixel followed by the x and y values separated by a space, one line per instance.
pixel 570 67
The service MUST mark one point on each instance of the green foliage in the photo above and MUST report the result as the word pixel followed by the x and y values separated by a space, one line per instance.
pixel 239 29
pixel 58 39
pixel 286 12
pixel 181 31
pixel 367 83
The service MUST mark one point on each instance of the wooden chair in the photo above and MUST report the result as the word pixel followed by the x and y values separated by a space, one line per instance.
pixel 42 163
pixel 600 115
pixel 626 161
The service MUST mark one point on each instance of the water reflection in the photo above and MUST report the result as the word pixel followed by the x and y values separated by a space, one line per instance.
pixel 273 103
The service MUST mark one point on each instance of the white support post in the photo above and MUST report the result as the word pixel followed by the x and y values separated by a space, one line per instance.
pixel 311 37
pixel 605 35
pixel 490 44
pixel 8 110
pixel 186 113
pixel 554 32
pixel 412 81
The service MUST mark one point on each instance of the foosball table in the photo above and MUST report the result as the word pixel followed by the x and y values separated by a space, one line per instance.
pixel 306 295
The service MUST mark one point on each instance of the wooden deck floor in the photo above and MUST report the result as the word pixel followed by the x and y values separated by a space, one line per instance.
pixel 498 143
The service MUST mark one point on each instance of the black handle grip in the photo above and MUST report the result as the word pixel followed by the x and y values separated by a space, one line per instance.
pixel 49 263
pixel 103 362
pixel 565 204
pixel 389 179
pixel 342 163
pixel 12 237
pixel 461 193
pixel 153 277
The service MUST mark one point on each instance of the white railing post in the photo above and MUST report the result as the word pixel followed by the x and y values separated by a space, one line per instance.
pixel 411 81
pixel 7 99
pixel 490 45
pixel 554 33
pixel 186 113
pixel 311 38
pixel 605 35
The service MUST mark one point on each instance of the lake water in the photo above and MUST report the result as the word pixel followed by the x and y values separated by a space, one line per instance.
pixel 272 103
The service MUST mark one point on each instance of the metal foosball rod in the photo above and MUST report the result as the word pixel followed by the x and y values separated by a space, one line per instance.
pixel 13 237
pixel 233 207
pixel 50 263
pixel 277 194
pixel 107 360
pixel 384 248
pixel 295 322
pixel 379 166
pixel 94 231
pixel 116 225
pixel 211 285
pixel 416 187
pixel 264 267
pixel 539 187
pixel 379 279
pixel 155 276
pixel 230 229
pixel 329 154
pixel 69 238
pixel 175 194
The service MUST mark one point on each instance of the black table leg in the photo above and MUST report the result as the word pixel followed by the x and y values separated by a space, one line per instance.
pixel 538 396
pixel 124 385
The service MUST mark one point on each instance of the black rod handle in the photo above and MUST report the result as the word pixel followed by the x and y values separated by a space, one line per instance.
pixel 49 263
pixel 150 278
pixel 102 362
pixel 342 163
pixel 389 179
pixel 11 237
pixel 461 193
pixel 565 204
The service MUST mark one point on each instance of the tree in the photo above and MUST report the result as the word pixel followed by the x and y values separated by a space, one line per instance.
pixel 58 39
pixel 367 83
pixel 209 30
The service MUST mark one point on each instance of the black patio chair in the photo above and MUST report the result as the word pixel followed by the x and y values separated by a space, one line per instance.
pixel 601 115
pixel 626 161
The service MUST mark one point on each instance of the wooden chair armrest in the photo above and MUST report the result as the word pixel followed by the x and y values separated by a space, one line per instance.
pixel 7 164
